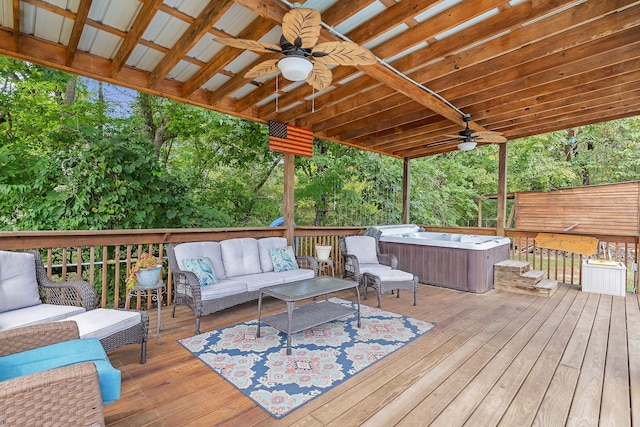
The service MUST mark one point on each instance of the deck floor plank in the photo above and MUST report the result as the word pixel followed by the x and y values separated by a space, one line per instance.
pixel 466 402
pixel 531 360
pixel 615 391
pixel 633 344
pixel 585 408
pixel 524 406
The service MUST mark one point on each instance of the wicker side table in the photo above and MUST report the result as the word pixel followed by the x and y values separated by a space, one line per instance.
pixel 390 280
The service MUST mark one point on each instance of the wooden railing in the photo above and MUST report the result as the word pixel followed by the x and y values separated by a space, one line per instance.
pixel 104 258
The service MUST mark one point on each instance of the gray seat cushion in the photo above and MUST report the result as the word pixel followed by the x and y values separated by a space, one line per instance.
pixel 18 284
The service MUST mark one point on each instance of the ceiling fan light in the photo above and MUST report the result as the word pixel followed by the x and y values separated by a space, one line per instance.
pixel 295 68
pixel 466 145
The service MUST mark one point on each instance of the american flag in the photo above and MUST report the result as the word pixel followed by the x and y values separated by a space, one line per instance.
pixel 286 138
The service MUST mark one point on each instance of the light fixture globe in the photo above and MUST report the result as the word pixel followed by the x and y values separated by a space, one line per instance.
pixel 466 145
pixel 295 68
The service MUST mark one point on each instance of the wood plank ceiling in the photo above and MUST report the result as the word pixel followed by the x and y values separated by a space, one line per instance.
pixel 518 67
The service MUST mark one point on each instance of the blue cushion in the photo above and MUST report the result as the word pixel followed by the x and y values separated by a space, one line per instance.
pixel 65 354
pixel 283 259
pixel 203 270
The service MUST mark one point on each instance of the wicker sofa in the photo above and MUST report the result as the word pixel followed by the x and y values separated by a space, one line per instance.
pixel 29 297
pixel 242 266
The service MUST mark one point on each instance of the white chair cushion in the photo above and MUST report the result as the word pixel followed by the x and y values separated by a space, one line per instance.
pixel 103 322
pixel 194 250
pixel 260 280
pixel 363 247
pixel 240 256
pixel 18 284
pixel 221 289
pixel 392 275
pixel 263 247
pixel 36 315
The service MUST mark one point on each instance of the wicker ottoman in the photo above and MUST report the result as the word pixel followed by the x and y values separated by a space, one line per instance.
pixel 389 280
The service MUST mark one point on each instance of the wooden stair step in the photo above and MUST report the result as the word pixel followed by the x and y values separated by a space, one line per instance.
pixel 512 266
pixel 536 275
pixel 547 287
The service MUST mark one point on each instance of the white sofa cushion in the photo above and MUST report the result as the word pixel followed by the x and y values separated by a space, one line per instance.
pixel 293 275
pixel 260 280
pixel 37 314
pixel 103 322
pixel 223 288
pixel 18 284
pixel 363 247
pixel 263 247
pixel 240 256
pixel 193 250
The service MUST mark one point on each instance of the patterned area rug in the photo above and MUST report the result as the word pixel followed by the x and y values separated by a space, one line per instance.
pixel 321 358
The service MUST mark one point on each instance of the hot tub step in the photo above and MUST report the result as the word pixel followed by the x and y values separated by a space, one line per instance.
pixel 547 287
pixel 512 266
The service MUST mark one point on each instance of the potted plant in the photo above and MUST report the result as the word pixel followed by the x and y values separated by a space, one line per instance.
pixel 145 271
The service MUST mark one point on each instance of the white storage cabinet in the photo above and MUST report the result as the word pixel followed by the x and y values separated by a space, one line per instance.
pixel 604 277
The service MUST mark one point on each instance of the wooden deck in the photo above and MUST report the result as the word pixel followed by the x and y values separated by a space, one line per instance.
pixel 494 359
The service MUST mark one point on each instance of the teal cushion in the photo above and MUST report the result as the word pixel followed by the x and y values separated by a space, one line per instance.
pixel 65 354
pixel 203 269
pixel 283 259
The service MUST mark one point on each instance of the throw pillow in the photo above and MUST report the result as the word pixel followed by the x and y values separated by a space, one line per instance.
pixel 203 269
pixel 283 259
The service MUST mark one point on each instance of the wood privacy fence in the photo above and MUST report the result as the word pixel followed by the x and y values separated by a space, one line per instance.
pixel 104 258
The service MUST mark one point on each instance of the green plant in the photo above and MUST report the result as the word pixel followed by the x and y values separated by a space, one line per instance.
pixel 144 261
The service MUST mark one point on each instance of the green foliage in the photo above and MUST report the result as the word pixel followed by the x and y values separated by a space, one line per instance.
pixel 79 163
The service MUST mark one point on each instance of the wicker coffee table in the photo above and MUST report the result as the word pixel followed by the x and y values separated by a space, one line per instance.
pixel 308 315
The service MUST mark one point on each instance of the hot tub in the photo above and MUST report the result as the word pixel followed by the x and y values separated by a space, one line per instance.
pixel 458 261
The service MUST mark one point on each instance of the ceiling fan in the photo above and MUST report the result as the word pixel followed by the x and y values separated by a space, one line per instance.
pixel 303 58
pixel 470 137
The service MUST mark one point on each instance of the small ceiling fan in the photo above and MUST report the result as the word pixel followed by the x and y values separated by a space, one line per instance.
pixel 303 58
pixel 470 138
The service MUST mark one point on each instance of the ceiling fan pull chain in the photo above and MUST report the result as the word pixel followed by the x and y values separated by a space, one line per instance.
pixel 277 93
pixel 313 99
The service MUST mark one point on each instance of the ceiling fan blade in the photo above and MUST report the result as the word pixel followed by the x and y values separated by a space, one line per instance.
pixel 489 136
pixel 495 138
pixel 343 53
pixel 320 76
pixel 301 27
pixel 249 44
pixel 263 68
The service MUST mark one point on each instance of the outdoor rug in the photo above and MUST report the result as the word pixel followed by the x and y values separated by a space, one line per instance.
pixel 321 358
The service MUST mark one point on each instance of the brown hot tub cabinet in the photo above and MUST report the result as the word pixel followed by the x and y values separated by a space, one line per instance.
pixel 457 261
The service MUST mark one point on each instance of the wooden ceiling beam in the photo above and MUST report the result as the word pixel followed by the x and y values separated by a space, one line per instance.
pixel 76 32
pixel 200 26
pixel 16 25
pixel 134 35
pixel 258 28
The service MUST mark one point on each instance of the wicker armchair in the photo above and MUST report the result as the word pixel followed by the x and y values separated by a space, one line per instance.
pixel 354 268
pixel 81 293
pixel 63 396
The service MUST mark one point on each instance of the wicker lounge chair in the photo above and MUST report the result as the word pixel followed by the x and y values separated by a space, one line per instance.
pixel 367 266
pixel 114 327
pixel 63 396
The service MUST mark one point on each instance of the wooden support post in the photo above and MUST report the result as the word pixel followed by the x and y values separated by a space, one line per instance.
pixel 502 190
pixel 406 191
pixel 289 179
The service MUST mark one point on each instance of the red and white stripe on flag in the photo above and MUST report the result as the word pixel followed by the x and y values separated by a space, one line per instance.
pixel 286 138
